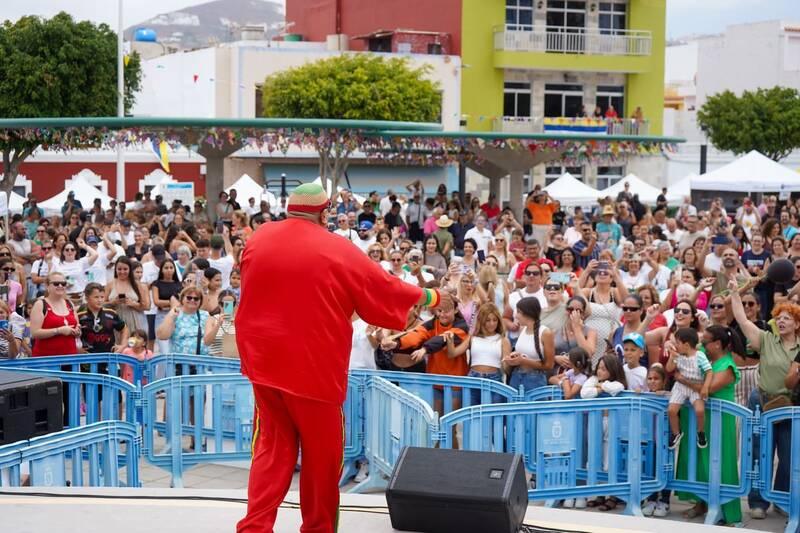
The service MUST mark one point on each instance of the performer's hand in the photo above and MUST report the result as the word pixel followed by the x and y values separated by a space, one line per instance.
pixel 418 355
pixel 387 344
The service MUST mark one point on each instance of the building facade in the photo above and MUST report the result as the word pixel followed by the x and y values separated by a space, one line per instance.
pixel 527 63
pixel 744 57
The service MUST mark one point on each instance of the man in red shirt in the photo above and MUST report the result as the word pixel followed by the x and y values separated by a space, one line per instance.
pixel 491 209
pixel 300 287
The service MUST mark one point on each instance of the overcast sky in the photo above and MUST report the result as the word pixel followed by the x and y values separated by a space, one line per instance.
pixel 683 16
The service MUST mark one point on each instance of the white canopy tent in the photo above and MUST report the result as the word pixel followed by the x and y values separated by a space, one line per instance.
pixel 571 192
pixel 647 193
pixel 752 172
pixel 246 188
pixel 680 189
pixel 84 191
pixel 15 202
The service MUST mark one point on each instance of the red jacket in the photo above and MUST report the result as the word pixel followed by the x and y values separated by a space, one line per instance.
pixel 300 287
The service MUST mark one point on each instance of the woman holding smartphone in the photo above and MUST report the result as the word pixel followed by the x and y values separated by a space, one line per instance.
pixel 129 297
pixel 225 340
pixel 165 291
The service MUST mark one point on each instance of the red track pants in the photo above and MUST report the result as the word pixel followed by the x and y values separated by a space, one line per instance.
pixel 282 422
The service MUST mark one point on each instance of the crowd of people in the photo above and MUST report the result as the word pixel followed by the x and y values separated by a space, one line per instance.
pixel 664 299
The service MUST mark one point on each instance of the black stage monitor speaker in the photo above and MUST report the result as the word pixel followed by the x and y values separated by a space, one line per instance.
pixel 444 491
pixel 29 406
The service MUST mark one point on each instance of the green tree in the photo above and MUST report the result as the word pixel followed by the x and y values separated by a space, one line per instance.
pixel 355 87
pixel 57 68
pixel 767 120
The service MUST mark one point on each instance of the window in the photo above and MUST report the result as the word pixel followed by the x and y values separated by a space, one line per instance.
pixel 612 17
pixel 563 100
pixel 551 174
pixel 608 176
pixel 380 44
pixel 566 20
pixel 517 99
pixel 611 95
pixel 259 101
pixel 519 15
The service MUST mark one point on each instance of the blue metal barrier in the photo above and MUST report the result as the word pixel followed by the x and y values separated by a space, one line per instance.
pixel 787 419
pixel 714 491
pixel 395 419
pixel 89 456
pixel 544 394
pixel 91 362
pixel 111 389
pixel 454 391
pixel 195 406
pixel 553 452
pixel 353 409
pixel 168 365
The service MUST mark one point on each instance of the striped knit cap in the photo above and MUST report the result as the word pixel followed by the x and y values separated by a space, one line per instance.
pixel 308 198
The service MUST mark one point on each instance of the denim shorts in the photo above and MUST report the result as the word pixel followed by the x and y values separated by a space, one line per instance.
pixel 475 395
pixel 530 380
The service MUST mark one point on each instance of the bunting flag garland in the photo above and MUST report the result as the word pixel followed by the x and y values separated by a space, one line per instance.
pixel 417 150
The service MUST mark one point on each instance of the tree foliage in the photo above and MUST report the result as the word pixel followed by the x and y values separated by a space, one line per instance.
pixel 57 68
pixel 766 120
pixel 355 87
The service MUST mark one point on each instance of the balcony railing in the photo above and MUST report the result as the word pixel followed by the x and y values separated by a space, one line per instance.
pixel 573 40
pixel 619 126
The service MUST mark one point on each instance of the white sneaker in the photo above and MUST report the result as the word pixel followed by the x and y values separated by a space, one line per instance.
pixel 568 504
pixel 662 510
pixel 757 513
pixel 648 508
pixel 363 472
pixel 580 503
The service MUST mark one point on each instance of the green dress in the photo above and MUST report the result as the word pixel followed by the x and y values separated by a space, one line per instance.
pixel 731 511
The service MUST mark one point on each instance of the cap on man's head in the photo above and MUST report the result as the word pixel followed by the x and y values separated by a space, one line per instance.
pixel 635 338
pixel 158 251
pixel 91 239
pixel 71 194
pixel 308 198
pixel 366 225
pixel 126 223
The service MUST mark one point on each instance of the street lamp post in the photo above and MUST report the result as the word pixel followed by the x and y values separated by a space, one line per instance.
pixel 120 105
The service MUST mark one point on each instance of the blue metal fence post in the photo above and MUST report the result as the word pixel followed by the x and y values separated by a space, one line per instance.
pixel 634 459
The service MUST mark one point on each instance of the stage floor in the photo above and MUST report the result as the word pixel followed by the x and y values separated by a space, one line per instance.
pixel 173 510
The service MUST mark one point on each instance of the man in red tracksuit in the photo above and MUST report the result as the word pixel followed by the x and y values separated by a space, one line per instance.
pixel 300 286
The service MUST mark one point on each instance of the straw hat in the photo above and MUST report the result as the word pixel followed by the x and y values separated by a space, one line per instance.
pixel 444 221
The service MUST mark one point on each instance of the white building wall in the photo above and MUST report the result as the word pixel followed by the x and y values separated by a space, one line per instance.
pixel 228 76
pixel 169 87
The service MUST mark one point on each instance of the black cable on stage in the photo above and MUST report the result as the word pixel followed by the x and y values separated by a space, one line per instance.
pixel 369 509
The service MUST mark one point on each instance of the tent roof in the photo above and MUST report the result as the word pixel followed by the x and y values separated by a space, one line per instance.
pixel 246 188
pixel 571 192
pixel 647 193
pixel 680 189
pixel 84 191
pixel 15 202
pixel 752 172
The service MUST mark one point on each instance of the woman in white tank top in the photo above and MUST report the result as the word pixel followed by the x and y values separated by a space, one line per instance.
pixel 487 347
pixel 534 353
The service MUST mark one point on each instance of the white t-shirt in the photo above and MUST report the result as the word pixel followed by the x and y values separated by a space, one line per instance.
pixel 224 265
pixel 483 238
pixel 348 234
pixel 662 277
pixel 713 262
pixel 633 282
pixel 98 272
pixel 362 354
pixel 149 275
pixel 75 272
pixel 636 378
pixel 364 244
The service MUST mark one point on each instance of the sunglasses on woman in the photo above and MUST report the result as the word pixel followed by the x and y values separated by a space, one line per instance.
pixel 192 298
pixel 716 306
pixel 683 311
pixel 630 309
pixel 58 283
